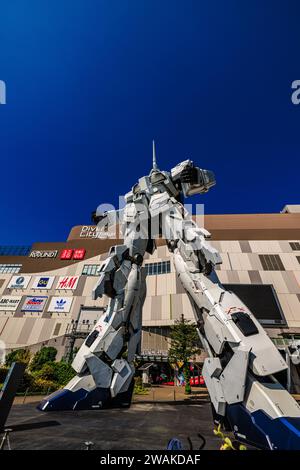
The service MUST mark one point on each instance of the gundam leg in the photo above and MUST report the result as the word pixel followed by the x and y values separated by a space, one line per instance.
pixel 242 360
pixel 104 363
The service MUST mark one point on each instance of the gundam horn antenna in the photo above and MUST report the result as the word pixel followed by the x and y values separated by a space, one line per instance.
pixel 154 163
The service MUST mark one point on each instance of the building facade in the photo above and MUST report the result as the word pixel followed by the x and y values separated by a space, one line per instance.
pixel 45 290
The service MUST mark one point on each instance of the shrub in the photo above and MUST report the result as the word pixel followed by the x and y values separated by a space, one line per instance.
pixel 45 386
pixel 42 357
pixel 138 387
pixel 47 378
pixel 58 372
pixel 27 382
pixel 63 372
pixel 43 374
pixel 47 372
pixel 19 355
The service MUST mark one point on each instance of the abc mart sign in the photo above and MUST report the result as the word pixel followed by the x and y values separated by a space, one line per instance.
pixel 10 302
pixel 43 254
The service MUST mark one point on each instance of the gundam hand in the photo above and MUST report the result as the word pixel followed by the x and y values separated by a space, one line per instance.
pixel 189 175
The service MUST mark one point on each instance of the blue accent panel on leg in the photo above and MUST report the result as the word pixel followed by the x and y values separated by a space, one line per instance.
pixel 96 399
pixel 288 422
pixel 85 400
pixel 242 424
pixel 80 400
pixel 262 431
pixel 61 400
pixel 284 433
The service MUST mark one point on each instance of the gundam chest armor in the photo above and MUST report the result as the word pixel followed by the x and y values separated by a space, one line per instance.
pixel 242 360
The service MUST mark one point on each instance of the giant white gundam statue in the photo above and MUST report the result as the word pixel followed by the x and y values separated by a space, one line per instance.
pixel 242 360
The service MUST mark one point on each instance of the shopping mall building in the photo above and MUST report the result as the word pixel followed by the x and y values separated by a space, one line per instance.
pixel 45 289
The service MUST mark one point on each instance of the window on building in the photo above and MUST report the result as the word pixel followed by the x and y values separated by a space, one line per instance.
pixel 91 269
pixel 262 301
pixel 295 246
pixel 10 268
pixel 271 263
pixel 163 267
pixel 56 329
pixel 298 258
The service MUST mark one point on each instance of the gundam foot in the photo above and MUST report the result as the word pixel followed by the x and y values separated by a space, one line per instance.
pixel 96 399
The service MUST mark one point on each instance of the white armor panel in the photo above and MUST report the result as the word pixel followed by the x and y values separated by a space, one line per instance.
pixel 123 374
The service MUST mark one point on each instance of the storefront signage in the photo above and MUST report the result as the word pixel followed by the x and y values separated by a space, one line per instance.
pixel 67 282
pixel 77 253
pixel 34 304
pixel 19 282
pixel 60 304
pixel 92 231
pixel 43 254
pixel 43 282
pixel 66 254
pixel 10 302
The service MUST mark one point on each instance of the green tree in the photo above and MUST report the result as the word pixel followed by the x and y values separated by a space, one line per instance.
pixel 43 356
pixel 19 355
pixel 63 372
pixel 185 344
pixel 58 372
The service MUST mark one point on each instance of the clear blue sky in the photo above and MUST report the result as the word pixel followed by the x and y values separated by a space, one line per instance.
pixel 91 82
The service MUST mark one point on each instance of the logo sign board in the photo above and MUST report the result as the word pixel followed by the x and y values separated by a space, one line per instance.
pixel 43 254
pixel 34 304
pixel 92 231
pixel 89 231
pixel 43 282
pixel 10 302
pixel 79 253
pixel 68 253
pixel 67 282
pixel 19 282
pixel 60 304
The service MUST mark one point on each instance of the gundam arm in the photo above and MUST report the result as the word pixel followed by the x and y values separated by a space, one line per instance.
pixel 192 179
pixel 242 359
pixel 107 219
